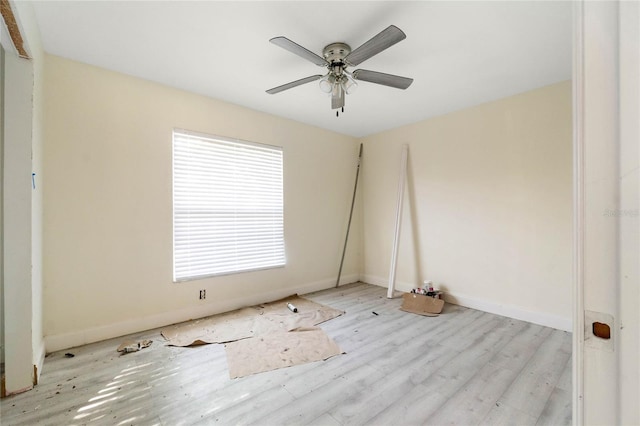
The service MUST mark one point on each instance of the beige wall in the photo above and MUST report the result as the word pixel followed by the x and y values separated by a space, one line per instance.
pixel 108 208
pixel 488 213
pixel 488 207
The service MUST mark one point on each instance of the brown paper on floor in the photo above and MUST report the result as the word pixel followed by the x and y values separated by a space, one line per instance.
pixel 275 316
pixel 250 322
pixel 278 350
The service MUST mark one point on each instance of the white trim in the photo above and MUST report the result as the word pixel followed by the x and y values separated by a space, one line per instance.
pixel 135 325
pixel 396 235
pixel 578 215
pixel 38 358
pixel 511 311
pixel 17 226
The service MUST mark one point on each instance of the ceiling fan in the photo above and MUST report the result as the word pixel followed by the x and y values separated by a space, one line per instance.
pixel 336 57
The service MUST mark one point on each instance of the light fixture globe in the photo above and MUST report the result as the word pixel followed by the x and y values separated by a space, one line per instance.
pixel 327 82
pixel 349 85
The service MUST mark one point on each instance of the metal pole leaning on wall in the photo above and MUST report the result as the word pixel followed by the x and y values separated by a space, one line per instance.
pixel 396 237
pixel 353 202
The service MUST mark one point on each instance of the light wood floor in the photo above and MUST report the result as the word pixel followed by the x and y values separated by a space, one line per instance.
pixel 464 367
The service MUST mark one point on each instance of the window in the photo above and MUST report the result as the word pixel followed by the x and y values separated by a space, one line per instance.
pixel 227 206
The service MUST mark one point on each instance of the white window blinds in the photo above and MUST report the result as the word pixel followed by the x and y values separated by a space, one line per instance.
pixel 227 206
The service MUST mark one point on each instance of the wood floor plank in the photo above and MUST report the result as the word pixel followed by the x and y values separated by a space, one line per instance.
pixel 310 406
pixel 557 411
pixel 325 420
pixel 505 415
pixel 276 399
pixel 462 367
pixel 412 408
pixel 443 379
pixel 564 382
pixel 473 401
pixel 530 391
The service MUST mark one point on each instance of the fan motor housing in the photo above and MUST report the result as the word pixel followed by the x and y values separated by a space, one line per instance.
pixel 336 52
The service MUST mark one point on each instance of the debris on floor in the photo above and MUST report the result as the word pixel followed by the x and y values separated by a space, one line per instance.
pixel 69 355
pixel 428 290
pixel 131 346
pixel 421 304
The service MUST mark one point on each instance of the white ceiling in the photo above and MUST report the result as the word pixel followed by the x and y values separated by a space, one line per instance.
pixel 460 54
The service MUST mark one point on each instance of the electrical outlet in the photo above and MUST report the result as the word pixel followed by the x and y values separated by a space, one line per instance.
pixel 203 294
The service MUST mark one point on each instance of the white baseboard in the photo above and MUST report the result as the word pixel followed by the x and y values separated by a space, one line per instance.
pixel 135 325
pixel 344 279
pixel 384 282
pixel 511 311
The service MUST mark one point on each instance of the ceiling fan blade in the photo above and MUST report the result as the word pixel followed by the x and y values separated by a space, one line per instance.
pixel 293 84
pixel 385 39
pixel 382 78
pixel 293 47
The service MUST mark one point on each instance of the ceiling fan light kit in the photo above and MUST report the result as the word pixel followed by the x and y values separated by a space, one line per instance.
pixel 336 57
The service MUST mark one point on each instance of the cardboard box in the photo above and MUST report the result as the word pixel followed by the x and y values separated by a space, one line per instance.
pixel 421 305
